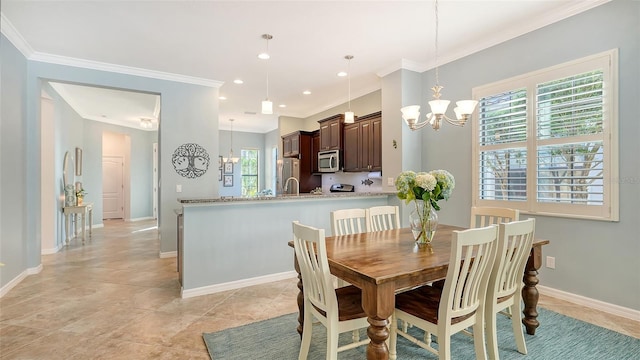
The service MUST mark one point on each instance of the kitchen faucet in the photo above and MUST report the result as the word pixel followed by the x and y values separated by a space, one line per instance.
pixel 286 185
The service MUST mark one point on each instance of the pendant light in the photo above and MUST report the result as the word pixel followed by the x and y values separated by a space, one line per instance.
pixel 463 110
pixel 267 105
pixel 348 115
pixel 230 158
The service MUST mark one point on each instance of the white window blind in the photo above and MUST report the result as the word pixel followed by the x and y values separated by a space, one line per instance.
pixel 544 141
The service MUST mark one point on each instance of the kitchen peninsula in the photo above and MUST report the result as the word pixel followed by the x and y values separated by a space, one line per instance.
pixel 228 243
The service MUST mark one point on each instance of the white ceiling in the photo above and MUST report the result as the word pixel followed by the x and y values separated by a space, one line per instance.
pixel 208 42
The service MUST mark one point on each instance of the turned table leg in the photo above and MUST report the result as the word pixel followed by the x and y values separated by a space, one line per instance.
pixel 300 297
pixel 530 292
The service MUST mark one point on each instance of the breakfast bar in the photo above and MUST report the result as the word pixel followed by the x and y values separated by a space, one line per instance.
pixel 229 243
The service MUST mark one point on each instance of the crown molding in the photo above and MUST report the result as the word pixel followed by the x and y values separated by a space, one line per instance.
pixel 127 70
pixel 8 30
pixel 405 64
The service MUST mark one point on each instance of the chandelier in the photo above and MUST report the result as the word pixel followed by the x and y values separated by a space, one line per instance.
pixel 348 115
pixel 267 105
pixel 463 110
pixel 230 158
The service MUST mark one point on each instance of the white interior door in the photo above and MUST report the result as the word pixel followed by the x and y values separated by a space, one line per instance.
pixel 112 187
pixel 155 180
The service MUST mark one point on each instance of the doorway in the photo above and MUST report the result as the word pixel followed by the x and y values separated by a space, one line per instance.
pixel 116 190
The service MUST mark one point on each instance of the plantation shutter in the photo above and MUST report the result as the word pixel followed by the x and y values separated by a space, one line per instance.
pixel 570 137
pixel 502 146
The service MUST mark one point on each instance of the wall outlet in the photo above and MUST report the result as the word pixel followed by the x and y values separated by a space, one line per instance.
pixel 178 188
pixel 390 181
pixel 551 262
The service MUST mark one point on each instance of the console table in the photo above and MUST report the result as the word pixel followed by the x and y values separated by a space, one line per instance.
pixel 75 211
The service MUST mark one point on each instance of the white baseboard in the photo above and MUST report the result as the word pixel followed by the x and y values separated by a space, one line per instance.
pixel 212 289
pixel 168 254
pixel 94 226
pixel 51 250
pixel 15 281
pixel 142 218
pixel 591 303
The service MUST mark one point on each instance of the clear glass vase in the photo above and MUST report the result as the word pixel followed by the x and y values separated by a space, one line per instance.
pixel 423 221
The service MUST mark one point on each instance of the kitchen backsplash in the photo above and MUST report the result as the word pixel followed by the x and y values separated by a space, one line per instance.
pixel 358 179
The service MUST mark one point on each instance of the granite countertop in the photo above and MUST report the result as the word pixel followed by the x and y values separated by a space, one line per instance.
pixel 282 197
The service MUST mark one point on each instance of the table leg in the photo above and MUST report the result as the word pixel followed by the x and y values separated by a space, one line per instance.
pixel 84 225
pixel 90 220
pixel 530 292
pixel 378 303
pixel 300 297
pixel 66 228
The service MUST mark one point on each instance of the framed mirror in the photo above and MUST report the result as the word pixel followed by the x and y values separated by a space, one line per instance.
pixel 67 170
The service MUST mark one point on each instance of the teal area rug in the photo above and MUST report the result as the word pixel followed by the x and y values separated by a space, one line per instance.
pixel 558 337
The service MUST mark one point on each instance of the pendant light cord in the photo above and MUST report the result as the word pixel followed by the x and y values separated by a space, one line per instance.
pixel 349 73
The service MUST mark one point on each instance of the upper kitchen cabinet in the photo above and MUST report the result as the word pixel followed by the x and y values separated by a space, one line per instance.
pixel 315 148
pixel 296 143
pixel 331 132
pixel 363 144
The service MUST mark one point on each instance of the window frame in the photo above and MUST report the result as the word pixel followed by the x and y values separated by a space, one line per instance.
pixel 609 211
pixel 243 175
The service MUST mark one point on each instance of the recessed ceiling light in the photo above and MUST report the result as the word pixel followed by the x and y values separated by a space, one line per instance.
pixel 342 74
pixel 238 81
pixel 222 97
pixel 264 56
pixel 307 92
pixel 282 105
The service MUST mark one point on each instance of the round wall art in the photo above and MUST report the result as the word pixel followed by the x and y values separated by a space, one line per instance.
pixel 190 160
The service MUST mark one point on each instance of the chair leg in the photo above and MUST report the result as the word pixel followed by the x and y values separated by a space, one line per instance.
pixel 393 337
pixel 332 343
pixel 307 329
pixel 492 335
pixel 478 337
pixel 516 324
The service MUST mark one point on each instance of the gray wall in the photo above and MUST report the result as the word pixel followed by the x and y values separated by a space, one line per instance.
pixel 13 155
pixel 595 259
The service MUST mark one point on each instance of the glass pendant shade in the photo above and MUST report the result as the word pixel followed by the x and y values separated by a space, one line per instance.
pixel 411 112
pixel 267 107
pixel 439 107
pixel 466 106
pixel 348 117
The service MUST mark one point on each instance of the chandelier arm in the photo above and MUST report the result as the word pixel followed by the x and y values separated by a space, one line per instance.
pixel 456 122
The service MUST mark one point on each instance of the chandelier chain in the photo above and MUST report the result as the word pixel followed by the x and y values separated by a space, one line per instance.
pixel 437 72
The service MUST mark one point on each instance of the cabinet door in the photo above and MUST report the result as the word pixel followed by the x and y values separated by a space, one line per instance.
pixel 315 148
pixel 295 145
pixel 336 136
pixel 286 146
pixel 365 149
pixel 325 137
pixel 376 144
pixel 352 146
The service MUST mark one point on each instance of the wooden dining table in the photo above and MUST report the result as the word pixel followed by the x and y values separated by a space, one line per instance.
pixel 382 263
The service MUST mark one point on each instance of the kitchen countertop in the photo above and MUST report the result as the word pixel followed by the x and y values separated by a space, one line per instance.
pixel 282 197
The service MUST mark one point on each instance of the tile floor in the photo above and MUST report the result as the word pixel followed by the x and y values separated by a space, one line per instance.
pixel 113 298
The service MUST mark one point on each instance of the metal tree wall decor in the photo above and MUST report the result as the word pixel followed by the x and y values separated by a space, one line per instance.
pixel 190 160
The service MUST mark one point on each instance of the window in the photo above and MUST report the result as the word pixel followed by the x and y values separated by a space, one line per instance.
pixel 546 142
pixel 249 171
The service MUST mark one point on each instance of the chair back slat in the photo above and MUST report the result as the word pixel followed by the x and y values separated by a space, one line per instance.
pixel 348 221
pixel 514 246
pixel 482 216
pixel 474 252
pixel 311 253
pixel 383 218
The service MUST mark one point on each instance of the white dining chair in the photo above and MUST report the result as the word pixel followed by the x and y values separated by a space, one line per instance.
pixel 482 216
pixel 339 310
pixel 504 290
pixel 383 218
pixel 348 221
pixel 460 304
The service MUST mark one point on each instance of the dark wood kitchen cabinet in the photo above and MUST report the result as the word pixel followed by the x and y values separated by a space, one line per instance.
pixel 295 143
pixel 315 148
pixel 299 144
pixel 331 132
pixel 363 144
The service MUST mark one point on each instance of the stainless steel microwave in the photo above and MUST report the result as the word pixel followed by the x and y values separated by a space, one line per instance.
pixel 329 161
